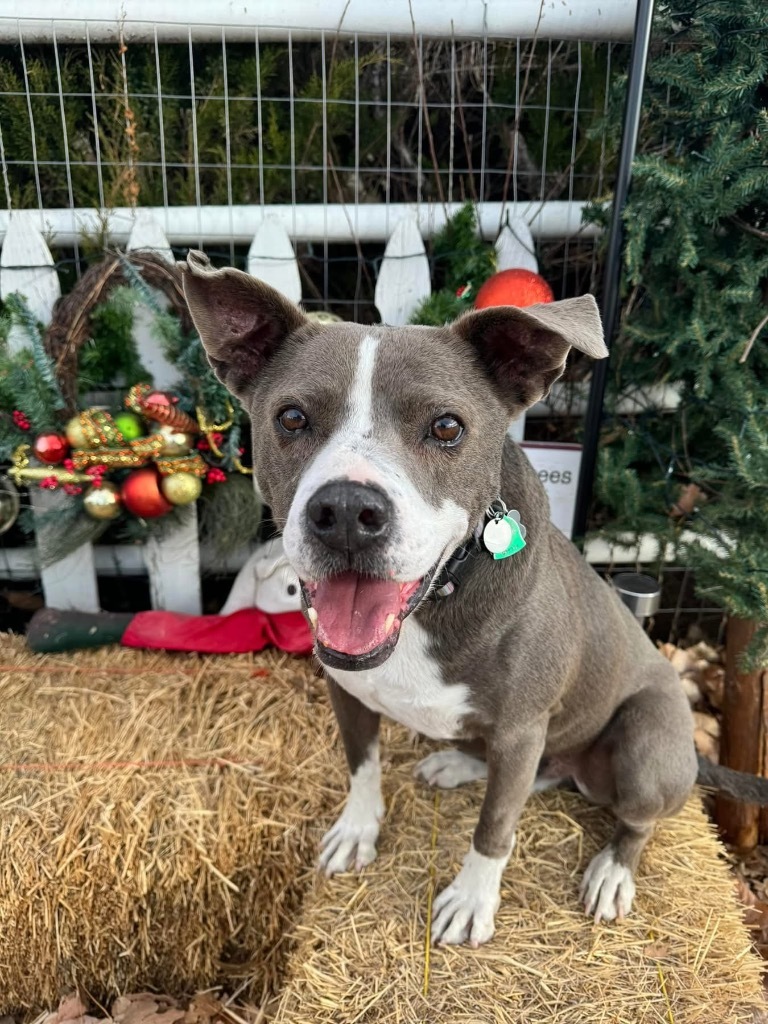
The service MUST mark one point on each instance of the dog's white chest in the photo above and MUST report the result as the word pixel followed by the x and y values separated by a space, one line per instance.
pixel 409 688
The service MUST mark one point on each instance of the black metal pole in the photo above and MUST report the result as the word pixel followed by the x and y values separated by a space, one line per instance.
pixel 612 273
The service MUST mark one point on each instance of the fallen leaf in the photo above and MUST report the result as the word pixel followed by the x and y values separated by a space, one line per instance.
pixel 656 950
pixel 706 746
pixel 689 497
pixel 682 661
pixel 692 691
pixel 71 1010
pixel 146 1008
pixel 712 683
pixel 755 910
pixel 707 723
pixel 205 1008
pixel 708 653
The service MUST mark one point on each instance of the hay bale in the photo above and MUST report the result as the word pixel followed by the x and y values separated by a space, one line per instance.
pixel 154 816
pixel 684 955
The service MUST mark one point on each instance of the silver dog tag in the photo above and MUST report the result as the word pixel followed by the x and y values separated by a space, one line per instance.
pixel 504 534
pixel 497 535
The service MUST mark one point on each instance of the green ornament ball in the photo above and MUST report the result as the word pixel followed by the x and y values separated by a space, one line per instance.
pixel 130 426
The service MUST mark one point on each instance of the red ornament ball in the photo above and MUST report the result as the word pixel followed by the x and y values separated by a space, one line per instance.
pixel 516 287
pixel 50 448
pixel 142 496
pixel 160 398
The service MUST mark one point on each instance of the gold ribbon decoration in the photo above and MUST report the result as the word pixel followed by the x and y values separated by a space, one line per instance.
pixel 139 400
pixel 21 472
pixel 192 463
pixel 209 429
pixel 115 452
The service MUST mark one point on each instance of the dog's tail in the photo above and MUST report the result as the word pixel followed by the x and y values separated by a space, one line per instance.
pixel 741 786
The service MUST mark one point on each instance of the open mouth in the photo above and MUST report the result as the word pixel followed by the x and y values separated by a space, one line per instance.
pixel 356 619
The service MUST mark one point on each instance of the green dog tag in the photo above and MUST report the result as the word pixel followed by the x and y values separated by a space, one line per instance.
pixel 503 537
pixel 516 540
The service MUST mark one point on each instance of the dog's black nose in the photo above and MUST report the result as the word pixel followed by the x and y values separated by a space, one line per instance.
pixel 348 516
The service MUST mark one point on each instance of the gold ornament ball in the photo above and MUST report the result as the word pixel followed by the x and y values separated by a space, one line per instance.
pixel 75 433
pixel 176 441
pixel 102 502
pixel 181 488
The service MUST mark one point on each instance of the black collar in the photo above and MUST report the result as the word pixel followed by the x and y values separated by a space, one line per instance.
pixel 450 576
pixel 460 561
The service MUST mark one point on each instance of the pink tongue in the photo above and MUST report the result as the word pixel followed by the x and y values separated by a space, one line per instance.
pixel 352 612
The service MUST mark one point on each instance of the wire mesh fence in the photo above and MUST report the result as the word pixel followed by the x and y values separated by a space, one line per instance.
pixel 347 121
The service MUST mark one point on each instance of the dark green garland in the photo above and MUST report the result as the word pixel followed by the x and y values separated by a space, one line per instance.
pixel 462 262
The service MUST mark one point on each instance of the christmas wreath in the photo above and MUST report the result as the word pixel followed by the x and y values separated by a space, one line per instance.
pixel 136 459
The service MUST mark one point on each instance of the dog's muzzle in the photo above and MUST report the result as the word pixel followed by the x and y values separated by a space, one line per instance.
pixel 349 517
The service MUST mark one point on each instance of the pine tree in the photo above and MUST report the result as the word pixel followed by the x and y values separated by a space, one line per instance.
pixel 696 279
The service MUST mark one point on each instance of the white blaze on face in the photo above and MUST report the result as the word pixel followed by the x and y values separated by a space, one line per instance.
pixel 423 533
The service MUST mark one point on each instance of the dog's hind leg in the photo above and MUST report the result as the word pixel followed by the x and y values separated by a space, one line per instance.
pixel 643 766
pixel 448 769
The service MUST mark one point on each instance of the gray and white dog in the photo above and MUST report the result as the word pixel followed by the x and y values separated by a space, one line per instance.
pixel 384 453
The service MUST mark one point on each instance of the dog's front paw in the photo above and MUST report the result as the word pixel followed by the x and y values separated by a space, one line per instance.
pixel 607 888
pixel 462 916
pixel 350 843
pixel 464 912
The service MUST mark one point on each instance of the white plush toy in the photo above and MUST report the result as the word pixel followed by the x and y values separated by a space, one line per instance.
pixel 266 582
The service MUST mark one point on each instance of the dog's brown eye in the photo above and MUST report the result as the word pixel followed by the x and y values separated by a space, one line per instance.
pixel 292 420
pixel 446 429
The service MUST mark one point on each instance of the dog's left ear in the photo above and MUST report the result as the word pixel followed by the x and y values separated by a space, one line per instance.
pixel 241 321
pixel 525 349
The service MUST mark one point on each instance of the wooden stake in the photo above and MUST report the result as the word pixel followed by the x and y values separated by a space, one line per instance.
pixel 743 734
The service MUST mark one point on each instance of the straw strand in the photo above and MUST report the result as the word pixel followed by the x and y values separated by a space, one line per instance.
pixel 430 895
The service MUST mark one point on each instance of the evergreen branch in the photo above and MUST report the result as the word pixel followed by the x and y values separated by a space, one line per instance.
pixel 137 282
pixel 22 315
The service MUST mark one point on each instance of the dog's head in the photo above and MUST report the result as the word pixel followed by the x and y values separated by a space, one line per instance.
pixel 377 448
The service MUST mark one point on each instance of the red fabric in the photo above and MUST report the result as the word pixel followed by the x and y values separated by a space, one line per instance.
pixel 247 630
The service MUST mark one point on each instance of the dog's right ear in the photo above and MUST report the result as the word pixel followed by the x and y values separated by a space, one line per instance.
pixel 241 321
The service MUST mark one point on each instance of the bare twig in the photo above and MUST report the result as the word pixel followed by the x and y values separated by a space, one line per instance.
pixel 753 339
pixel 750 229
pixel 424 112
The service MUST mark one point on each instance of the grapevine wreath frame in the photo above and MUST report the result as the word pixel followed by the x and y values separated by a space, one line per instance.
pixel 70 326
